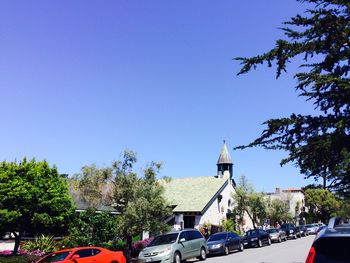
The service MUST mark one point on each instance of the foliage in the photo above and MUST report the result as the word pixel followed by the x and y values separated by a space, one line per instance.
pixel 319 144
pixel 42 243
pixel 33 196
pixel 91 184
pixel 258 207
pixel 139 199
pixel 92 229
pixel 250 202
pixel 228 225
pixel 278 211
pixel 321 204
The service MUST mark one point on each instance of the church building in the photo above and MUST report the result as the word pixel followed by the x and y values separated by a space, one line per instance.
pixel 202 200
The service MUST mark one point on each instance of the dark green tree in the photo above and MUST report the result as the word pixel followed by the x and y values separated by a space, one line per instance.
pixel 33 198
pixel 319 144
pixel 92 229
pixel 140 200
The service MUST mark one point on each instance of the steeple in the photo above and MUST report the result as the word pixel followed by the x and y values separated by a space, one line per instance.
pixel 224 157
pixel 224 163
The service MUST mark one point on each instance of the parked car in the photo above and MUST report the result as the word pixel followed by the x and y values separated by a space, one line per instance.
pixel 277 235
pixel 303 231
pixel 256 238
pixel 312 228
pixel 84 254
pixel 224 242
pixel 332 243
pixel 291 230
pixel 175 247
pixel 321 228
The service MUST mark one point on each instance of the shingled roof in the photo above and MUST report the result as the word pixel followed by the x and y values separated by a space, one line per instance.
pixel 193 194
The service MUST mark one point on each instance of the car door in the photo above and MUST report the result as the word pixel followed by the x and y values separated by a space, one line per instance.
pixel 235 240
pixel 88 255
pixel 195 243
pixel 185 245
pixel 263 236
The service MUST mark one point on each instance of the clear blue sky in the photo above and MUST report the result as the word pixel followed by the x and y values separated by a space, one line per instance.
pixel 80 81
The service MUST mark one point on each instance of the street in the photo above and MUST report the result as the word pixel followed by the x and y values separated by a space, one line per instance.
pixel 292 251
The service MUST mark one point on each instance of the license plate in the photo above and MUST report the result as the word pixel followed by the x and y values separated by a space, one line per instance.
pixel 148 259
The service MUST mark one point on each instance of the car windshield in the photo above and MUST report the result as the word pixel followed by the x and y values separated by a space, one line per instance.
pixel 55 257
pixel 217 237
pixel 308 226
pixel 251 233
pixel 271 231
pixel 164 239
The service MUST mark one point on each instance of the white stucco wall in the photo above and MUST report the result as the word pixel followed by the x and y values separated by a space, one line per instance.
pixel 217 211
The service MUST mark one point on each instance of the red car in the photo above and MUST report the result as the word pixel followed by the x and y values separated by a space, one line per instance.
pixel 84 255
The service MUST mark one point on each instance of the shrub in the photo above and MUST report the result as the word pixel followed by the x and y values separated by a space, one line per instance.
pixel 41 243
pixel 141 243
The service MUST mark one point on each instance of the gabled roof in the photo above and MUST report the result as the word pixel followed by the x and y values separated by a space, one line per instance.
pixel 193 194
pixel 224 156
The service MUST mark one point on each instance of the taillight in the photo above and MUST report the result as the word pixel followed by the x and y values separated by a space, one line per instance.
pixel 312 253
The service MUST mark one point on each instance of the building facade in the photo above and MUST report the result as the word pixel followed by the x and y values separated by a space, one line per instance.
pixel 295 200
pixel 197 201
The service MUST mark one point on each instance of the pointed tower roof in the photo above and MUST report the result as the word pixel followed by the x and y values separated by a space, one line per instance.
pixel 224 156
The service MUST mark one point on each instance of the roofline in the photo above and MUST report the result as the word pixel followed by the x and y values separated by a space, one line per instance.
pixel 214 197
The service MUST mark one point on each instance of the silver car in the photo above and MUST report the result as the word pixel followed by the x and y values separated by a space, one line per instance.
pixel 175 247
pixel 277 235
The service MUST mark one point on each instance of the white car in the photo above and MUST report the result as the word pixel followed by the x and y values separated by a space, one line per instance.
pixel 312 228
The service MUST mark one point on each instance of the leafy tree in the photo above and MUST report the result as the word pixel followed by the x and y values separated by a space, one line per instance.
pixel 249 202
pixel 92 229
pixel 258 207
pixel 140 200
pixel 319 144
pixel 33 197
pixel 91 185
pixel 228 225
pixel 321 204
pixel 278 211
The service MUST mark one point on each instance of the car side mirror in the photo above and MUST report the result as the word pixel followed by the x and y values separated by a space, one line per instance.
pixel 182 240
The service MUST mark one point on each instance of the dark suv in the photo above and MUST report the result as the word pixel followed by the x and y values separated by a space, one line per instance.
pixel 331 244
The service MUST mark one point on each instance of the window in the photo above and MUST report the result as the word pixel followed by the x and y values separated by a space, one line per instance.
pixel 233 235
pixel 184 235
pixel 95 251
pixel 195 234
pixel 84 253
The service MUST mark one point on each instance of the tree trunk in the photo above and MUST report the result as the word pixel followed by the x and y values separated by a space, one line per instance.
pixel 128 248
pixel 18 238
pixel 251 218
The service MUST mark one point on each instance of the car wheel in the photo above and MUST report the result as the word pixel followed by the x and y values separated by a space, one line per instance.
pixel 259 243
pixel 279 239
pixel 269 241
pixel 241 247
pixel 226 250
pixel 203 254
pixel 177 257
